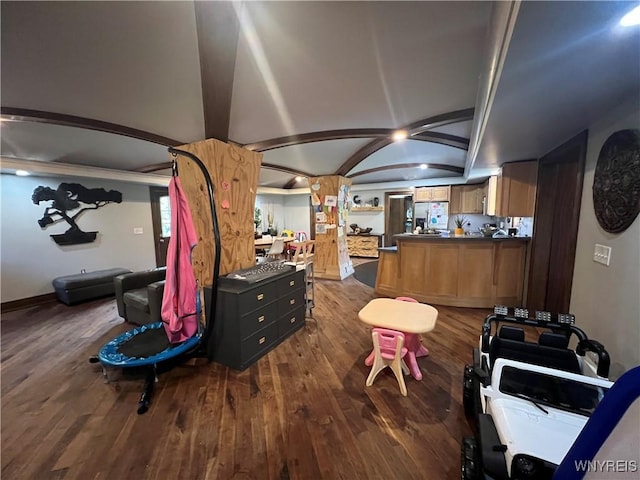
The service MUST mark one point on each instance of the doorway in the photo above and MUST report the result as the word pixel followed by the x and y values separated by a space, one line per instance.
pixel 161 219
pixel 398 214
pixel 555 229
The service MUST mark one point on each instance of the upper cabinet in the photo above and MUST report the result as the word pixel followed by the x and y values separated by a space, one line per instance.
pixel 515 190
pixel 432 194
pixel 467 198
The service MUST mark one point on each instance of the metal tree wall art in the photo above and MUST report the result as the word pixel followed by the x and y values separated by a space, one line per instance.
pixel 68 197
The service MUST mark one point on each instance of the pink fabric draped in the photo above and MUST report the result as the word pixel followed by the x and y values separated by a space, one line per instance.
pixel 179 303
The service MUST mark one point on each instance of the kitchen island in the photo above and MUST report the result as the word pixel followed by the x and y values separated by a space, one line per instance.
pixel 466 271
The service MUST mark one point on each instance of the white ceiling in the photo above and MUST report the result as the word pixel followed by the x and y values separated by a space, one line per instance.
pixel 303 67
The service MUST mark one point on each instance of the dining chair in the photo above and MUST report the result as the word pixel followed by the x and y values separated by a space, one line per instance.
pixel 276 250
pixel 389 351
pixel 299 236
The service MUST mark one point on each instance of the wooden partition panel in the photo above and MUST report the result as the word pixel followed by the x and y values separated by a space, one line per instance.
pixel 234 172
pixel 331 259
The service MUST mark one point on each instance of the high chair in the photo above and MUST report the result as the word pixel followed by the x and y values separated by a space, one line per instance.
pixel 389 350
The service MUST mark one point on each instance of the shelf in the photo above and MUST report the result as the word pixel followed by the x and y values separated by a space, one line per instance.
pixel 367 209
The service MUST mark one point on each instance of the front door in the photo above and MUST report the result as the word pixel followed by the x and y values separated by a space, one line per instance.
pixel 161 218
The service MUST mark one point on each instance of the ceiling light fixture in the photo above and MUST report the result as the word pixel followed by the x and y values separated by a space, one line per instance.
pixel 22 173
pixel 632 18
pixel 423 166
pixel 399 135
pixel 299 179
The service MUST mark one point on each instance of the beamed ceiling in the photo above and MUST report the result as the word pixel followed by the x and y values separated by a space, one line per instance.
pixel 318 87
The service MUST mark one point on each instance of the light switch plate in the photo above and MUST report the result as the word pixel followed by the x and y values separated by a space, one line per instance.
pixel 138 231
pixel 602 254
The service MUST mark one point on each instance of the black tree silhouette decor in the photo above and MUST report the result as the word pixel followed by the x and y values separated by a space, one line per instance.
pixel 66 198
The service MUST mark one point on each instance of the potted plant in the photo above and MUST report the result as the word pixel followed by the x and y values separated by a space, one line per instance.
pixel 460 220
pixel 257 220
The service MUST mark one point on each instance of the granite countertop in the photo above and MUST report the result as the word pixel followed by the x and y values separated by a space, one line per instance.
pixel 423 237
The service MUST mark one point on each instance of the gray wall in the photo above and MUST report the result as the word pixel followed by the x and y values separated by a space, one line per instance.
pixel 30 258
pixel 606 300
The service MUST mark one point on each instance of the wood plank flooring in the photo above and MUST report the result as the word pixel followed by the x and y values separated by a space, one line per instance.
pixel 300 412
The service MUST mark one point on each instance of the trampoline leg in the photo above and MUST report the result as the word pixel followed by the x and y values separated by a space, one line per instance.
pixel 145 398
pixel 105 375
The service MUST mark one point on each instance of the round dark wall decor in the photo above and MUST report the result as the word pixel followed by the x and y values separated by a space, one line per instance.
pixel 616 182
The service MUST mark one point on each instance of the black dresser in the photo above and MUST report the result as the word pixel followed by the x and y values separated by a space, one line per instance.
pixel 254 314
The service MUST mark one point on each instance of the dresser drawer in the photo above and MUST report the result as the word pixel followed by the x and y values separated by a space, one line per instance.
pixel 258 319
pixel 256 298
pixel 291 322
pixel 291 301
pixel 258 342
pixel 290 283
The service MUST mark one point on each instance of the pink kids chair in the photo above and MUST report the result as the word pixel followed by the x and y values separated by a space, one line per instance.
pixel 389 350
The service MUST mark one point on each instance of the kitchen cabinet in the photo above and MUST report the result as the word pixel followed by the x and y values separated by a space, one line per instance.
pixel 467 198
pixel 513 192
pixel 432 194
pixel 472 272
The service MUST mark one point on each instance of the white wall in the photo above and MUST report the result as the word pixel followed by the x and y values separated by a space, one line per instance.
pixel 375 220
pixel 30 258
pixel 606 300
pixel 297 216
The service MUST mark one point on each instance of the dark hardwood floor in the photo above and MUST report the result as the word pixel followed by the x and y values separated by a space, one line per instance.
pixel 300 412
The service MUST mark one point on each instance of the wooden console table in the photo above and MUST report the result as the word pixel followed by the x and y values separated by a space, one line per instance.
pixel 364 245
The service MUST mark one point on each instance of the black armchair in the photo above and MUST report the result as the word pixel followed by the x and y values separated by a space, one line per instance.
pixel 139 295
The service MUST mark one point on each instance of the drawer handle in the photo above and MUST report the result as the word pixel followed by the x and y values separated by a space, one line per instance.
pixel 262 340
pixel 260 296
pixel 261 319
pixel 293 320
pixel 292 283
pixel 292 301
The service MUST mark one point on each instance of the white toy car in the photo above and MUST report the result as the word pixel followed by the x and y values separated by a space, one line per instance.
pixel 528 401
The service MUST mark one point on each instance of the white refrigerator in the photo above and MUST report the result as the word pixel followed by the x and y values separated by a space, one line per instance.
pixel 435 214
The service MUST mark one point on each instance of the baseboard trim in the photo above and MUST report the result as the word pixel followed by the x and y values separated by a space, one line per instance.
pixel 27 302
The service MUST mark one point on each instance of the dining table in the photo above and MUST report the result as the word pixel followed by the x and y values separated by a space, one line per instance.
pixel 262 244
pixel 412 319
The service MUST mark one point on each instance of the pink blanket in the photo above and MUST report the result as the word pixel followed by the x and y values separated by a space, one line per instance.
pixel 179 301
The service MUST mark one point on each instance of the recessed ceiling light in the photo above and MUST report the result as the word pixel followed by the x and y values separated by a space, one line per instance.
pixel 22 173
pixel 632 18
pixel 399 135
pixel 423 166
pixel 299 179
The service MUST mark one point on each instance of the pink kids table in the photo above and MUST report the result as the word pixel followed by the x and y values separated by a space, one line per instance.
pixel 410 318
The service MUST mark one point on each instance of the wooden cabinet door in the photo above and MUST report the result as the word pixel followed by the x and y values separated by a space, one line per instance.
pixel 517 189
pixel 440 194
pixel 455 201
pixel 423 194
pixel 522 188
pixel 470 203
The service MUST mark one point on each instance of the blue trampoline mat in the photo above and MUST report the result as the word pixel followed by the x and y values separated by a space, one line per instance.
pixel 112 355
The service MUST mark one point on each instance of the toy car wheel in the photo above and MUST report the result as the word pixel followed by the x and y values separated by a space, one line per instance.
pixel 469 459
pixel 470 392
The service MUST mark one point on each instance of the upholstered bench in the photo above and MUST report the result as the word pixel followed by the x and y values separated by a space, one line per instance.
pixel 72 289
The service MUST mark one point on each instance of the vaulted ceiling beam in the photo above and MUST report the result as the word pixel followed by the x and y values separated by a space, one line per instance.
pixel 52 118
pixel 414 128
pixel 431 166
pixel 217 29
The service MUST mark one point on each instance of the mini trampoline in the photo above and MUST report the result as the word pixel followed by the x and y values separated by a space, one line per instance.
pixel 148 346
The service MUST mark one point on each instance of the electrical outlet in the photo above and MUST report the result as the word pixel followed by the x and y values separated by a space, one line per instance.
pixel 602 254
